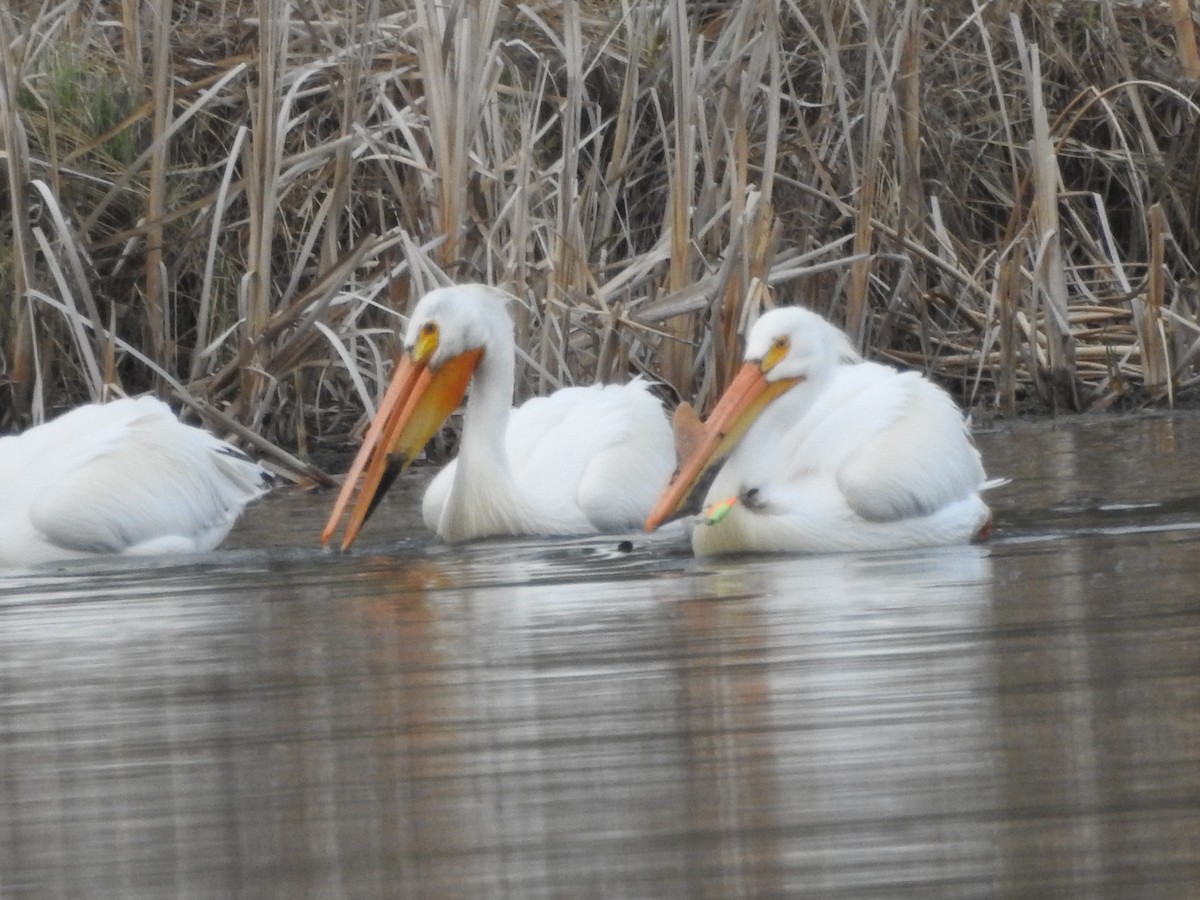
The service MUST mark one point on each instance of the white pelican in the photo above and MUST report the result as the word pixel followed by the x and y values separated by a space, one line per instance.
pixel 583 460
pixel 124 477
pixel 820 451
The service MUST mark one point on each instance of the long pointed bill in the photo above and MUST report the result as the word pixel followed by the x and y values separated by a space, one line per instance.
pixel 417 402
pixel 745 398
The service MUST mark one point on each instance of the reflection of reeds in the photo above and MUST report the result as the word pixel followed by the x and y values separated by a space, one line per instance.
pixel 237 205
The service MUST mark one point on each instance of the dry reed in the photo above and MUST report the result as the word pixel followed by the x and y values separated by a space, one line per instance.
pixel 234 204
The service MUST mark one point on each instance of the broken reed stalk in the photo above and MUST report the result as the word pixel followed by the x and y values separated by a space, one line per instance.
pixel 1008 303
pixel 13 140
pixel 1148 312
pixel 1050 294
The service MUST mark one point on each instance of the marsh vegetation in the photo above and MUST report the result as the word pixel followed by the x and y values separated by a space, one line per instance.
pixel 235 203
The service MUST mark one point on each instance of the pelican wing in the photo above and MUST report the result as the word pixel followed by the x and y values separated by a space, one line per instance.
pixel 128 477
pixel 893 442
pixel 602 452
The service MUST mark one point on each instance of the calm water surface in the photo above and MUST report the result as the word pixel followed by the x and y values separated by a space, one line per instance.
pixel 534 719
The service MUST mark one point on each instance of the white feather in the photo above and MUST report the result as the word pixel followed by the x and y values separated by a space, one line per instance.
pixel 120 478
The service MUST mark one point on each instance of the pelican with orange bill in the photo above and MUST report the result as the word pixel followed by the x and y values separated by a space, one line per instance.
pixel 582 460
pixel 811 449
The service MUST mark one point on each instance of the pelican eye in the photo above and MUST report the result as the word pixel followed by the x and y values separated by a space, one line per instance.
pixel 426 342
pixel 780 347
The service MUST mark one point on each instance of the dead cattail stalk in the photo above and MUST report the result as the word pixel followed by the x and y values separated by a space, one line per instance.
pixel 262 164
pixel 338 200
pixel 219 209
pixel 1050 285
pixel 455 54
pixel 1148 313
pixel 908 108
pixel 68 249
pixel 156 202
pixel 676 356
pixel 1185 38
pixel 1008 301
pixel 16 150
pixel 860 272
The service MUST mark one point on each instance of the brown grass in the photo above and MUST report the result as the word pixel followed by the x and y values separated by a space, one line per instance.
pixel 236 206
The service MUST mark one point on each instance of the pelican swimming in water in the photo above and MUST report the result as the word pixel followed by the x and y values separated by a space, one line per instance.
pixel 583 460
pixel 125 477
pixel 815 450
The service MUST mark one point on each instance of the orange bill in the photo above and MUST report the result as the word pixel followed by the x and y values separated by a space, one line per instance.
pixel 745 398
pixel 419 399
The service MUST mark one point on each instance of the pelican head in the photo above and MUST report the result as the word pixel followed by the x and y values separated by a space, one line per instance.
pixel 786 348
pixel 795 343
pixel 447 337
pixel 448 322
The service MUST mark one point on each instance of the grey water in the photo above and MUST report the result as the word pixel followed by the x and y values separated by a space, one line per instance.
pixel 580 719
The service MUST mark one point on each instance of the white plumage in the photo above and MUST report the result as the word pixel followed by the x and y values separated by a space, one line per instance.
pixel 582 460
pixel 825 452
pixel 124 477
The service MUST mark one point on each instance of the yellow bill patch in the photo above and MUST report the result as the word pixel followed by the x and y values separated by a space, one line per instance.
pixel 779 349
pixel 427 342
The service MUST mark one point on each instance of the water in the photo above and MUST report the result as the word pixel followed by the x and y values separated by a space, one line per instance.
pixel 537 719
